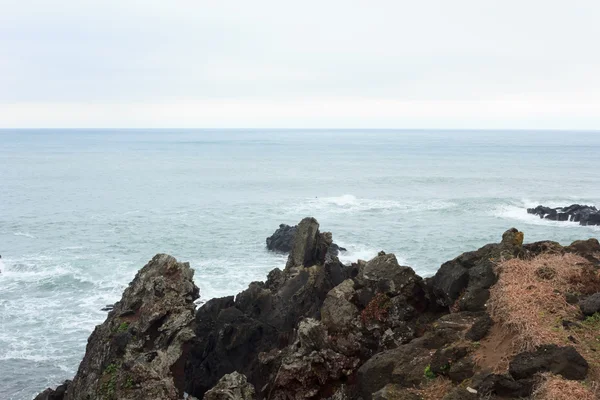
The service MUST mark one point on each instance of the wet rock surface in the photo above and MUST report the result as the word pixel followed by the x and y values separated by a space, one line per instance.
pixel 584 214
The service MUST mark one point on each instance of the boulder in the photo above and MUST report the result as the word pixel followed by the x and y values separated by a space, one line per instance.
pixel 139 352
pixel 565 361
pixel 505 386
pixel 403 366
pixel 232 386
pixel 464 282
pixel 338 312
pixel 590 305
pixel 282 239
pixel 384 274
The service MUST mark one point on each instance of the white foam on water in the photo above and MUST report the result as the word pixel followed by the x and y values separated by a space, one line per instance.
pixel 356 252
pixel 25 234
pixel 349 203
pixel 519 213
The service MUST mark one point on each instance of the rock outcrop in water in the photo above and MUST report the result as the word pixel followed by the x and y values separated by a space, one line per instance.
pixel 585 215
pixel 282 240
pixel 319 329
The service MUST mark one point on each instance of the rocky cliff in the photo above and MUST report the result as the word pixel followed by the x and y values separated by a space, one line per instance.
pixel 318 329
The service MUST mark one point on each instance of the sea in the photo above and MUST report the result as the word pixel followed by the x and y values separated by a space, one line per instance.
pixel 82 210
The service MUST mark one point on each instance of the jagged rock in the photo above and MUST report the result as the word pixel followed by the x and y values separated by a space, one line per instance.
pixel 403 366
pixel 590 305
pixel 565 361
pixel 54 394
pixel 337 312
pixel 469 276
pixel 506 386
pixel 282 239
pixel 232 386
pixel 309 367
pixel 384 274
pixel 139 351
pixel 310 246
pixel 232 333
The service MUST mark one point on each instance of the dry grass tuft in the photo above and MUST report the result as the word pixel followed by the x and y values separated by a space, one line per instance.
pixel 529 303
pixel 529 298
pixel 554 387
pixel 434 390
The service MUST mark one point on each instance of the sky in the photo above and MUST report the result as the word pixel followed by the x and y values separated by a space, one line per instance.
pixel 461 64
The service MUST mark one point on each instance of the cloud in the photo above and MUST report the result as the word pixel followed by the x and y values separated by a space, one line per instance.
pixel 270 63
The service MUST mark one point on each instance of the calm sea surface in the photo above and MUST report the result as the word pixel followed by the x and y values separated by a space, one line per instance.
pixel 82 210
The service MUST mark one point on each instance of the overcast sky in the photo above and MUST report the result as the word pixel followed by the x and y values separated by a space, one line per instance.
pixel 279 63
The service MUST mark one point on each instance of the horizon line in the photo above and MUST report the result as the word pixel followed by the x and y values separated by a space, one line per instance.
pixel 310 129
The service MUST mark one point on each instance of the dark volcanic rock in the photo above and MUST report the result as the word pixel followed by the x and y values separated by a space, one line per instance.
pixel 565 361
pixel 585 215
pixel 480 328
pixel 56 394
pixel 469 276
pixel 403 366
pixel 588 249
pixel 282 239
pixel 231 334
pixel 506 386
pixel 139 351
pixel 590 305
pixel 308 368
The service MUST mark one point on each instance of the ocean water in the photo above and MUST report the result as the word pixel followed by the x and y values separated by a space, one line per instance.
pixel 82 210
